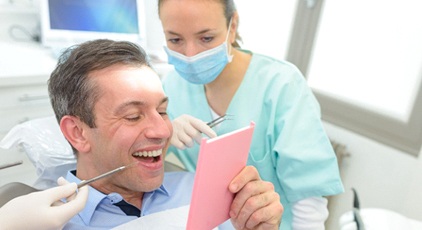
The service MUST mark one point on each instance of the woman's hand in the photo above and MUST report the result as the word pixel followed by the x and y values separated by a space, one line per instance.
pixel 187 129
pixel 44 209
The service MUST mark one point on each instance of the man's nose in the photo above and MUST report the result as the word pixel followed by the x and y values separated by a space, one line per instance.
pixel 158 127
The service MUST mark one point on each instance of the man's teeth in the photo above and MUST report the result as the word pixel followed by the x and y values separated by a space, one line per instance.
pixel 153 153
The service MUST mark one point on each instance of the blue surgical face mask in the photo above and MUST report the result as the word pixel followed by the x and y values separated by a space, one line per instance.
pixel 204 67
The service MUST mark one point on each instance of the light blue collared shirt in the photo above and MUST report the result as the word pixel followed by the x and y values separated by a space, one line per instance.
pixel 101 213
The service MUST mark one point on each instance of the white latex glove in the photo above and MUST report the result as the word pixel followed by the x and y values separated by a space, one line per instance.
pixel 187 129
pixel 43 209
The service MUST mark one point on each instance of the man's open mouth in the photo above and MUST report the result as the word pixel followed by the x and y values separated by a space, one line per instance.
pixel 149 156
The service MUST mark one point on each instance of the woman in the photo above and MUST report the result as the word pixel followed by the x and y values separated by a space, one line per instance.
pixel 44 209
pixel 214 77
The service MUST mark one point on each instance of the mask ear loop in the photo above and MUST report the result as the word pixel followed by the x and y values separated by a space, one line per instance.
pixel 227 37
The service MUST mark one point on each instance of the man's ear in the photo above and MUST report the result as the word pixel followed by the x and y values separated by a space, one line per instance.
pixel 75 131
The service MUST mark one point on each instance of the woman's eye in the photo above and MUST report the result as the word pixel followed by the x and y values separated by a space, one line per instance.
pixel 207 39
pixel 174 40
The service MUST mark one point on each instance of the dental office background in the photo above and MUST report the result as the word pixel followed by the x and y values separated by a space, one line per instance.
pixel 363 59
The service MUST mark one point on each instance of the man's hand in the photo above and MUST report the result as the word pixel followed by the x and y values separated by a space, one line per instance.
pixel 256 205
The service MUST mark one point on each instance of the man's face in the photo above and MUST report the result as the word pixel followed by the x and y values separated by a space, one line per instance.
pixel 132 129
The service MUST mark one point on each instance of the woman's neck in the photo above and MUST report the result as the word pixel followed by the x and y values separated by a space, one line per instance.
pixel 221 91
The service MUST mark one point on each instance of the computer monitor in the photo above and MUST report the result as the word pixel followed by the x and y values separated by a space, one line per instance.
pixel 68 22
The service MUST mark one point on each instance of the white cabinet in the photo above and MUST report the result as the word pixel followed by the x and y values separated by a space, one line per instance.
pixel 22 103
pixel 25 70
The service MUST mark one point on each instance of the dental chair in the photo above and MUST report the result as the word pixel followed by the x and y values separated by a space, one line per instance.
pixel 12 190
pixel 50 153
pixel 375 219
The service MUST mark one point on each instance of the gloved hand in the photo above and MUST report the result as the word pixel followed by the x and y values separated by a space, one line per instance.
pixel 186 129
pixel 43 209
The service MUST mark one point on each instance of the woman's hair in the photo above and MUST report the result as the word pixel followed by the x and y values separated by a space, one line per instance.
pixel 71 90
pixel 229 9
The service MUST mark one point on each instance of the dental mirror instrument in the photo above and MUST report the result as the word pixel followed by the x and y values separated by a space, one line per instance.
pixel 218 120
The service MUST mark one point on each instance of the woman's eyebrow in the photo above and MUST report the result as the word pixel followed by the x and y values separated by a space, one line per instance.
pixel 203 31
pixel 173 33
pixel 197 33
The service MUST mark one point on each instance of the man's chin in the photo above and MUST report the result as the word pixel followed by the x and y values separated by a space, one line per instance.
pixel 153 184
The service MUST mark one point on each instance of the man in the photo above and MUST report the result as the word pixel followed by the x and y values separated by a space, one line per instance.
pixel 112 109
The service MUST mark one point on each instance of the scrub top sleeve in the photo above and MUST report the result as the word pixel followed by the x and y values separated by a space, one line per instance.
pixel 306 163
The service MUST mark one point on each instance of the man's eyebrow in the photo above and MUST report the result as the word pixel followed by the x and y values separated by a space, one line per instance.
pixel 164 100
pixel 121 107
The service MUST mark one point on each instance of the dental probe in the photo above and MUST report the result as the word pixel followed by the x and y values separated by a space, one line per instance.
pixel 86 182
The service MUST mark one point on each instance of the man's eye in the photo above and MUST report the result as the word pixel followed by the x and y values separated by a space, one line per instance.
pixel 132 118
pixel 163 113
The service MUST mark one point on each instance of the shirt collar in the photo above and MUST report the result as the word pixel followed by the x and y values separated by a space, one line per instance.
pixel 95 197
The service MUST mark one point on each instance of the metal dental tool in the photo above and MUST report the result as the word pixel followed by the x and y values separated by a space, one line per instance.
pixel 218 120
pixel 86 182
pixel 8 165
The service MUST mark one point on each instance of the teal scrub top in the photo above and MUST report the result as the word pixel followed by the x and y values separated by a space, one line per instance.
pixel 289 147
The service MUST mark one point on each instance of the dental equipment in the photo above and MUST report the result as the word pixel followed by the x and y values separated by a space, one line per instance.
pixel 8 165
pixel 86 182
pixel 218 120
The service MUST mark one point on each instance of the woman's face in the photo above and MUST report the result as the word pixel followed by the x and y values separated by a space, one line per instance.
pixel 192 26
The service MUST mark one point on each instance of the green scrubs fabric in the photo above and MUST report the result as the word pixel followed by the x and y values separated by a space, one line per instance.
pixel 289 148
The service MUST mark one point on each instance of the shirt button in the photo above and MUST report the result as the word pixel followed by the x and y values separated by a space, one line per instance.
pixel 114 199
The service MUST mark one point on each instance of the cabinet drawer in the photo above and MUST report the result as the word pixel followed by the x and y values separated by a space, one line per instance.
pixel 14 116
pixel 24 96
